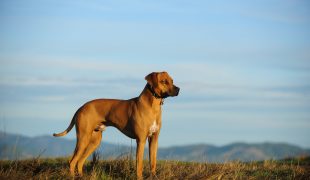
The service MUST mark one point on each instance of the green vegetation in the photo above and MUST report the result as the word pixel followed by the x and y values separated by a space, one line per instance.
pixel 57 168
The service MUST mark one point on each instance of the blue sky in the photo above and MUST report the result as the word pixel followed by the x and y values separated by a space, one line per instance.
pixel 243 66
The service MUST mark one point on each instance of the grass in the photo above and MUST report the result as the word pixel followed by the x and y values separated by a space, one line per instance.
pixel 57 168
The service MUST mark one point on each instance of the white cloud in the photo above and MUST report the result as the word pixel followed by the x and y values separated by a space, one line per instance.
pixel 49 99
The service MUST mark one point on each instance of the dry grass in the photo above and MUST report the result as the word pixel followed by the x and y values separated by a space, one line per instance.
pixel 57 168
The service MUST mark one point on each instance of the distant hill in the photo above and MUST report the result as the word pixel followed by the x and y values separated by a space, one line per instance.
pixel 14 146
pixel 236 151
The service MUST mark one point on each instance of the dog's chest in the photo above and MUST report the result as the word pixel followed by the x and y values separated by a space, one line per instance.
pixel 153 128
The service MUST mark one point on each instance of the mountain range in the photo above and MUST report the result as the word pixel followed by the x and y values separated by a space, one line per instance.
pixel 14 146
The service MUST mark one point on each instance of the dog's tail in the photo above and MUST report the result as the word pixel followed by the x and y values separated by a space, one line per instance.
pixel 72 123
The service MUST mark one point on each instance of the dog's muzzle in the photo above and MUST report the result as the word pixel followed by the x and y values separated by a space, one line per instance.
pixel 176 91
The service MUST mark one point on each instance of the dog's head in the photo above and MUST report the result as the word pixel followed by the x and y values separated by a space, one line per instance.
pixel 162 84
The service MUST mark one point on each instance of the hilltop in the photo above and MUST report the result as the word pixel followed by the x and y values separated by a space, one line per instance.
pixel 57 168
pixel 14 146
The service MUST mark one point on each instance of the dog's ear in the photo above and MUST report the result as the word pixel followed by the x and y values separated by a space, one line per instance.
pixel 151 78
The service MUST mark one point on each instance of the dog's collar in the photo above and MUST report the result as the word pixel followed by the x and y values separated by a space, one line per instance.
pixel 150 88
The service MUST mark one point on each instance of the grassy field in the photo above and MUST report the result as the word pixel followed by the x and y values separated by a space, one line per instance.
pixel 57 168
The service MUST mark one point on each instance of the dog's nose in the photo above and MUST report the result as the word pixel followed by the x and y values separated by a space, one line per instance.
pixel 177 90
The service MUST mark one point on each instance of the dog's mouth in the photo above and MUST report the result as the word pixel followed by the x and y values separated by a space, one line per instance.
pixel 174 92
pixel 165 95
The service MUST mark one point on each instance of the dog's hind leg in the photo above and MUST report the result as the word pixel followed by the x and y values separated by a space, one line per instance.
pixel 81 145
pixel 92 146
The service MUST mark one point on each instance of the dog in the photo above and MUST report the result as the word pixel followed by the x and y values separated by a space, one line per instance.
pixel 138 118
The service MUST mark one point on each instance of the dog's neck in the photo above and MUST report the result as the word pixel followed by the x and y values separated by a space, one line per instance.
pixel 151 89
pixel 147 96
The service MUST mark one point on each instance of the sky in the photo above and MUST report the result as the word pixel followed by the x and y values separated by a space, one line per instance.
pixel 243 66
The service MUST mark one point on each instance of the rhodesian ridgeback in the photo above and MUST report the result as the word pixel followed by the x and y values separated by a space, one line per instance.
pixel 138 118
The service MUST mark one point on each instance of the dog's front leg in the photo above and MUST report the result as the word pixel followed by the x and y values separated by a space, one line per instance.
pixel 139 157
pixel 153 143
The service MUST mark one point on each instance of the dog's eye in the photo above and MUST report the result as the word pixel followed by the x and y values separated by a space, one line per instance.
pixel 164 81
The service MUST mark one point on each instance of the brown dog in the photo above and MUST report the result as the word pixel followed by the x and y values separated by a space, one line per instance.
pixel 138 118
